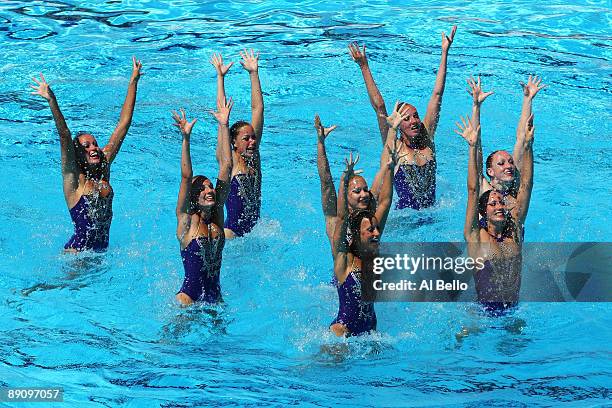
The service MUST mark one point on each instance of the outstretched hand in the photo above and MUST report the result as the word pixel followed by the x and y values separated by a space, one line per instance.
pixel 223 111
pixel 217 61
pixel 42 88
pixel 250 61
pixel 475 89
pixel 182 123
pixel 394 156
pixel 350 167
pixel 136 67
pixel 322 131
pixel 532 87
pixel 448 40
pixel 358 55
pixel 398 115
pixel 466 130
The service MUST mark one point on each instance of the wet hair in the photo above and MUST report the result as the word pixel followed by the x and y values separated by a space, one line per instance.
pixel 421 141
pixel 96 171
pixel 197 186
pixel 483 201
pixel 235 129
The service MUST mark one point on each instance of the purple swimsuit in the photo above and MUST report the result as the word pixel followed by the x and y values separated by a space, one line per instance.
pixel 415 185
pixel 243 203
pixel 92 218
pixel 358 316
pixel 202 263
pixel 490 281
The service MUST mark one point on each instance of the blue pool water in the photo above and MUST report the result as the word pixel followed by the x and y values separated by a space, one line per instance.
pixel 107 328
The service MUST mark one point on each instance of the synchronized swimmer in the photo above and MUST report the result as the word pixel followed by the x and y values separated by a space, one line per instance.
pixel 86 169
pixel 244 201
pixel 199 213
pixel 494 224
pixel 355 217
pixel 415 175
pixel 357 234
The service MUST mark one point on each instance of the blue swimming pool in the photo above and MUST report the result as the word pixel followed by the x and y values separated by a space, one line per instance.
pixel 107 328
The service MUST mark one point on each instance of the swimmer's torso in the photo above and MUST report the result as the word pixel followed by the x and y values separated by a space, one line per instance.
pixel 415 178
pixel 91 215
pixel 500 279
pixel 243 203
pixel 201 252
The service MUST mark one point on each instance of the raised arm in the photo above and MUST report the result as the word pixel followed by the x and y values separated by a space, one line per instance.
pixel 125 118
pixel 182 205
pixel 393 121
pixel 435 102
pixel 524 193
pixel 530 90
pixel 217 61
pixel 376 99
pixel 70 172
pixel 472 135
pixel 328 190
pixel 340 248
pixel 225 161
pixel 478 97
pixel 342 206
pixel 250 62
pixel 385 197
pixel 384 158
pixel 388 160
pixel 339 243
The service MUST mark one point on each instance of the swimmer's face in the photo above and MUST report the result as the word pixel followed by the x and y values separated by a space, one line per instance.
pixel 358 194
pixel 93 153
pixel 246 141
pixel 496 208
pixel 411 127
pixel 369 235
pixel 502 167
pixel 208 196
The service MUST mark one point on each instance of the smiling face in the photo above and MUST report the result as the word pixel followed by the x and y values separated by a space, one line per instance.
pixel 500 166
pixel 412 126
pixel 496 208
pixel 203 193
pixel 245 141
pixel 358 194
pixel 92 152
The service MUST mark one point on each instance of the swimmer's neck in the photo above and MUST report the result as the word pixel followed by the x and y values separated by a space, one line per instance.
pixel 495 229
pixel 504 187
pixel 357 263
pixel 245 161
pixel 205 214
pixel 83 178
